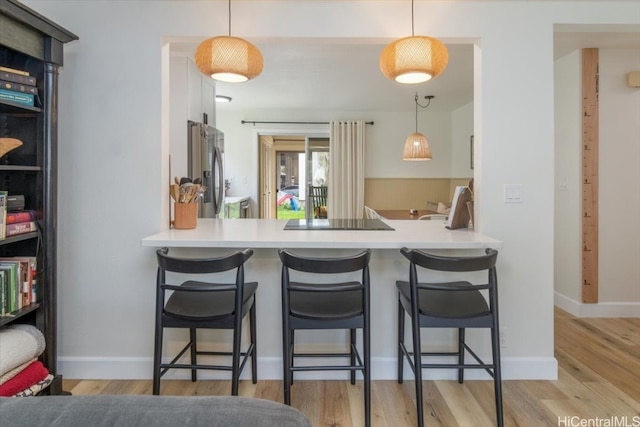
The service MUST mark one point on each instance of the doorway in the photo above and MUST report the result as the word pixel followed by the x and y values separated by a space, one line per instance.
pixel 291 194
pixel 317 165
pixel 291 169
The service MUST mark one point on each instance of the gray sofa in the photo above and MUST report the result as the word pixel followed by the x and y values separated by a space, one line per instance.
pixel 137 410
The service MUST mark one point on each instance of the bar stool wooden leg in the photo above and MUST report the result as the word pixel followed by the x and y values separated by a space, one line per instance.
pixel 497 375
pixel 417 368
pixel 194 355
pixel 352 334
pixel 254 352
pixel 461 337
pixel 400 341
pixel 157 359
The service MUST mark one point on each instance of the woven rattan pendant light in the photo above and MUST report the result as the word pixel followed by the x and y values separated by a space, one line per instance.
pixel 416 147
pixel 414 59
pixel 229 59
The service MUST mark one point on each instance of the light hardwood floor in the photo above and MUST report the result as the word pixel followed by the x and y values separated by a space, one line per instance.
pixel 599 379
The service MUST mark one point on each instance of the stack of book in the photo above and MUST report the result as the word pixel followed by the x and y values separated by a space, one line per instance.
pixel 19 223
pixel 18 86
pixel 13 223
pixel 17 283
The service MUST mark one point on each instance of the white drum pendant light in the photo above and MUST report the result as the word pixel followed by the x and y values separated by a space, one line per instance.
pixel 414 59
pixel 229 59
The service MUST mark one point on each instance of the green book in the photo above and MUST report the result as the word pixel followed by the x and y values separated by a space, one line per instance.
pixel 17 97
pixel 14 284
pixel 4 294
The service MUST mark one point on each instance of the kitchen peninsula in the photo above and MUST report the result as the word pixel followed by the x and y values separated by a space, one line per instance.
pixel 217 236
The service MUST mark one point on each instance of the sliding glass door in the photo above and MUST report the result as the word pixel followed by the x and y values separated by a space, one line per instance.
pixel 294 169
pixel 317 172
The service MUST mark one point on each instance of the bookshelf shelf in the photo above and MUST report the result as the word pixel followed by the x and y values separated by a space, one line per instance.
pixel 16 168
pixel 32 46
pixel 16 315
pixel 18 238
pixel 8 106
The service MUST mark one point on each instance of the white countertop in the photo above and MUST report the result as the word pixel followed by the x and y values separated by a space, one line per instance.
pixel 270 233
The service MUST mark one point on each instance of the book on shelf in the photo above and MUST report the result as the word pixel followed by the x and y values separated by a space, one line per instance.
pixel 17 281
pixel 24 279
pixel 17 97
pixel 18 87
pixel 14 70
pixel 21 216
pixel 3 213
pixel 17 76
pixel 4 294
pixel 11 288
pixel 20 228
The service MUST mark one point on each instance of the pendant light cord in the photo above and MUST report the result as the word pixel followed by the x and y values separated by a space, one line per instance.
pixel 416 111
pixel 229 18
pixel 412 20
pixel 429 97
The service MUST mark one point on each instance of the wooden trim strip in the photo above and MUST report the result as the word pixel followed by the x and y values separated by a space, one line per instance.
pixel 590 143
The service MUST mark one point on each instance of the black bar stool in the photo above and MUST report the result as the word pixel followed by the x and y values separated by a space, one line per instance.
pixel 207 305
pixel 449 304
pixel 312 303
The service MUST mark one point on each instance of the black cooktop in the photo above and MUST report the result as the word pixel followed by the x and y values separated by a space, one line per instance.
pixel 336 224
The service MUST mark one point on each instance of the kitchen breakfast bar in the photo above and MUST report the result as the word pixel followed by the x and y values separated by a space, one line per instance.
pixel 214 237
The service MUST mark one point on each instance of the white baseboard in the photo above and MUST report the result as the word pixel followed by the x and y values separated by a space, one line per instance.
pixel 602 309
pixel 270 368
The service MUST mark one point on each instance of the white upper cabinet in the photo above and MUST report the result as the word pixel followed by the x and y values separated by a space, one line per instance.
pixel 209 100
pixel 192 96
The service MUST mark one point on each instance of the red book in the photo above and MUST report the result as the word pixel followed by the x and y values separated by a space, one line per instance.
pixel 22 216
pixel 21 228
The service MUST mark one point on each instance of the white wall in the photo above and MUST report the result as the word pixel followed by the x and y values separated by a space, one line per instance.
pixel 461 131
pixel 568 163
pixel 113 152
pixel 619 186
pixel 619 170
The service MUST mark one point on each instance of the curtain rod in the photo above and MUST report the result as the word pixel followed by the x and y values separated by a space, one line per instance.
pixel 291 123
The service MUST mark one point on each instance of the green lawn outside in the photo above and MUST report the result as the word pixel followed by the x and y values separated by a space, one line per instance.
pixel 284 212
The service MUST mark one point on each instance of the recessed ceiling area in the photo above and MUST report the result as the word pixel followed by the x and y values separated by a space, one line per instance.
pixel 343 74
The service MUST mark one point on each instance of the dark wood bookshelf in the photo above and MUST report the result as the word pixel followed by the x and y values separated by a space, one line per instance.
pixel 29 42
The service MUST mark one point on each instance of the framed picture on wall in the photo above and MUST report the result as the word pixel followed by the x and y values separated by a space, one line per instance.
pixel 471 151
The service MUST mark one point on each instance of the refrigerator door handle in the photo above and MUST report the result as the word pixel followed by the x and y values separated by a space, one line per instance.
pixel 208 183
pixel 218 202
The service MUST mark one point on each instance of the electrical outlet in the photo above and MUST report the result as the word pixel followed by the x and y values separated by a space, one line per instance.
pixel 503 337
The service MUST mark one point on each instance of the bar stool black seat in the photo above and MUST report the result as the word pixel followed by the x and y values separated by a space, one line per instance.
pixel 449 304
pixel 309 302
pixel 205 305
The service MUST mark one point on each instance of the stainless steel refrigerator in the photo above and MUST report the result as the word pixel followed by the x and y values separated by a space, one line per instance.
pixel 205 154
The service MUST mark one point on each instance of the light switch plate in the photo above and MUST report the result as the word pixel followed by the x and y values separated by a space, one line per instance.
pixel 513 193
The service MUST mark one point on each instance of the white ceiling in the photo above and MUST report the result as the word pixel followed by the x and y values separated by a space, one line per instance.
pixel 340 75
pixel 343 75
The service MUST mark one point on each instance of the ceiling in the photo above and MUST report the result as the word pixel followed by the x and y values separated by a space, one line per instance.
pixel 343 75
pixel 340 75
